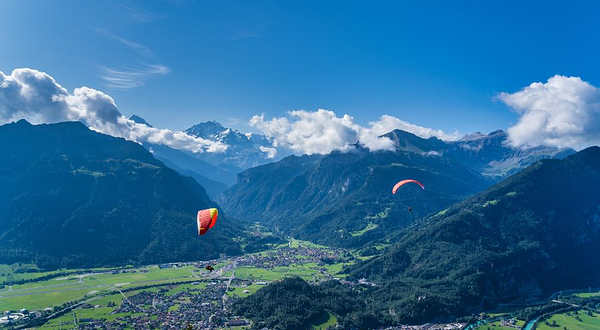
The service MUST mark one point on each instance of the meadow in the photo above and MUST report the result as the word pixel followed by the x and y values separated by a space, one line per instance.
pixel 498 326
pixel 579 320
pixel 100 312
pixel 100 282
pixel 56 291
pixel 328 320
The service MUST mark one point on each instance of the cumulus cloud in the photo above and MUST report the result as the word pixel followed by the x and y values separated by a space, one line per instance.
pixel 388 123
pixel 322 131
pixel 271 152
pixel 562 112
pixel 35 96
pixel 309 132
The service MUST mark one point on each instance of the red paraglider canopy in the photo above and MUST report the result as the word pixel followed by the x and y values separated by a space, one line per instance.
pixel 403 182
pixel 206 219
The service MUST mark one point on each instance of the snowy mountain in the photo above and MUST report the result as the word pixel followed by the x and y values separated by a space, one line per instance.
pixel 243 150
pixel 489 154
pixel 216 171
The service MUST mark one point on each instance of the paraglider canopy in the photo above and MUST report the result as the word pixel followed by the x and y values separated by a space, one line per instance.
pixel 206 219
pixel 403 182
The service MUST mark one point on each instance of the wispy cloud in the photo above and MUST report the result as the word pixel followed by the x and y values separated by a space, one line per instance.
pixel 138 15
pixel 245 35
pixel 128 78
pixel 137 47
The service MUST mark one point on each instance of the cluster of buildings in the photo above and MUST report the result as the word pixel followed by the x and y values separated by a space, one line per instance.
pixel 510 323
pixel 9 317
pixel 291 256
pixel 195 308
pixel 429 326
pixel 199 306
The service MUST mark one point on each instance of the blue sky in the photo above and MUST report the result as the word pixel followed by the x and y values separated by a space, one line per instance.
pixel 435 64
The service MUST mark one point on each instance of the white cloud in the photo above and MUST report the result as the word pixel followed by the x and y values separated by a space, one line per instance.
pixel 388 123
pixel 137 47
pixel 35 96
pixel 271 152
pixel 138 15
pixel 131 77
pixel 432 153
pixel 563 112
pixel 322 131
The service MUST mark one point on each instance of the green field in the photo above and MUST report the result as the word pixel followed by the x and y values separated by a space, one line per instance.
pixel 101 286
pixel 296 243
pixel 497 326
pixel 12 273
pixel 335 269
pixel 488 203
pixel 66 321
pixel 39 295
pixel 16 272
pixel 381 246
pixel 102 312
pixel 381 215
pixel 370 226
pixel 327 320
pixel 588 294
pixel 304 271
pixel 183 287
pixel 239 291
pixel 570 322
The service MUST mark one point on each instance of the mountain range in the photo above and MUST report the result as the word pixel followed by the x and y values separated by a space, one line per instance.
pixel 73 197
pixel 76 198
pixel 534 233
pixel 217 171
pixel 215 179
pixel 345 199
pixel 491 155
pixel 488 154
pixel 243 150
pixel 531 235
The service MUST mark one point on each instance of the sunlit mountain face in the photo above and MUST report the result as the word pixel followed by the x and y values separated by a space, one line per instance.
pixel 344 199
pixel 517 244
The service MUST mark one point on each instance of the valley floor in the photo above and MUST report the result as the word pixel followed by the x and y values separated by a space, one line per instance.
pixel 176 295
pixel 172 294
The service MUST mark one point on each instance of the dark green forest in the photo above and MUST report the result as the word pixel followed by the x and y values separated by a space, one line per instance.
pixel 530 235
pixel 75 198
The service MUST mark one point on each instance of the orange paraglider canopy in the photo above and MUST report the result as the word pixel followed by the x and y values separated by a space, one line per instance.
pixel 206 219
pixel 403 182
